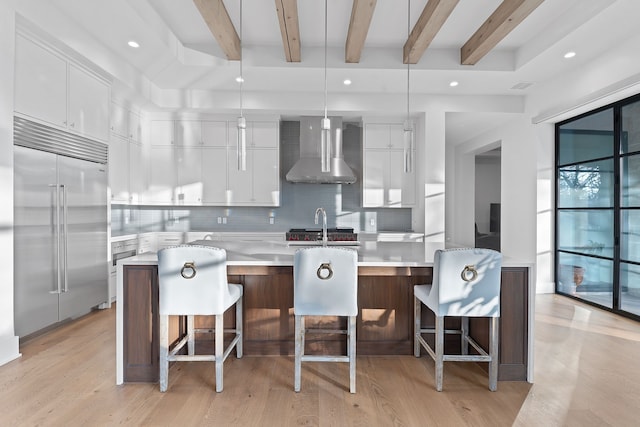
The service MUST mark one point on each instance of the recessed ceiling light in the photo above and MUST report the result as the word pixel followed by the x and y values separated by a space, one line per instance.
pixel 133 43
pixel 570 54
pixel 239 79
pixel 346 82
pixel 453 83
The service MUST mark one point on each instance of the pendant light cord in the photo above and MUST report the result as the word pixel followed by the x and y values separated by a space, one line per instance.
pixel 241 77
pixel 408 56
pixel 325 59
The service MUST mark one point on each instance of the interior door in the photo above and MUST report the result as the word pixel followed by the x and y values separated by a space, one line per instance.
pixel 35 240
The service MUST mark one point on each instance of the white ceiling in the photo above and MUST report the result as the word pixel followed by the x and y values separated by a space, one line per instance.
pixel 179 52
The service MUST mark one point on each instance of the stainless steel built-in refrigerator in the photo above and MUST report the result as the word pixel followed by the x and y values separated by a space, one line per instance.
pixel 60 231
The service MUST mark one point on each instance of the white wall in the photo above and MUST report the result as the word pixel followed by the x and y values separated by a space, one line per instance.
pixel 8 340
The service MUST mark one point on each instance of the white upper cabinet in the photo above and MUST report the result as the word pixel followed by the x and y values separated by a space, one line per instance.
pixel 259 184
pixel 119 120
pixel 135 127
pixel 162 132
pixel 194 162
pixel 40 83
pixel 54 90
pixel 385 184
pixel 214 133
pixel 88 104
pixel 119 169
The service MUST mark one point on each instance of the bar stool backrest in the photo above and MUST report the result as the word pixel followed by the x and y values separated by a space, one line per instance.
pixel 193 280
pixel 466 282
pixel 325 281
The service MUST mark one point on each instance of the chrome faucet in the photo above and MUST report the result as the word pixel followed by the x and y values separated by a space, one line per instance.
pixel 324 225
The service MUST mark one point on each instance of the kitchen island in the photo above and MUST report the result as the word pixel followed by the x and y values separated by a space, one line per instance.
pixel 387 272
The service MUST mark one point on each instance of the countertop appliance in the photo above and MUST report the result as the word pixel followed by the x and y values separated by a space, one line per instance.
pixel 339 234
pixel 60 232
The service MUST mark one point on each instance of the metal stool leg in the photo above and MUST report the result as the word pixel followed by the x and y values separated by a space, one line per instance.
pixel 352 354
pixel 191 343
pixel 493 353
pixel 164 352
pixel 417 319
pixel 299 350
pixel 239 328
pixel 439 337
pixel 464 334
pixel 219 344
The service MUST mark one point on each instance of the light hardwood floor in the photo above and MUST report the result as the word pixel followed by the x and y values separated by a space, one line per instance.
pixel 587 373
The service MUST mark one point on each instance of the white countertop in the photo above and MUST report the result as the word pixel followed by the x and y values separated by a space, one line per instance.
pixel 370 254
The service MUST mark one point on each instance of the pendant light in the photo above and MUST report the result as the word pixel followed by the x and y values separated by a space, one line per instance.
pixel 325 128
pixel 242 123
pixel 408 124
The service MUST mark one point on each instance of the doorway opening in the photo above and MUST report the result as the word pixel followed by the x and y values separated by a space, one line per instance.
pixel 487 199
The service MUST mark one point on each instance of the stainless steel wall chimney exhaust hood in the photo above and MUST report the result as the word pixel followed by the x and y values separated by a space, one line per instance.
pixel 308 168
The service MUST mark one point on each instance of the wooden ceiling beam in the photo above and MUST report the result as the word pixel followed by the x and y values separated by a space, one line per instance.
pixel 220 25
pixel 505 18
pixel 361 15
pixel 289 28
pixel 433 16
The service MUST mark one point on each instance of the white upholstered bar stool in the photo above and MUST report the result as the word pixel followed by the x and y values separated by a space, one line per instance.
pixel 466 283
pixel 193 281
pixel 325 283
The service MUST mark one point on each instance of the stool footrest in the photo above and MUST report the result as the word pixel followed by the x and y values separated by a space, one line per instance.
pixel 324 358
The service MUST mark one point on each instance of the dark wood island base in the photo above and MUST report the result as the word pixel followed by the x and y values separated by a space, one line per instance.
pixel 385 320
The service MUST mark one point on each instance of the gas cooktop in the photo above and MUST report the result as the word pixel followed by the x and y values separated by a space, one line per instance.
pixel 339 234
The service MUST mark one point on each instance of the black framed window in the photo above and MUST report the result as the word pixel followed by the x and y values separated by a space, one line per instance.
pixel 597 221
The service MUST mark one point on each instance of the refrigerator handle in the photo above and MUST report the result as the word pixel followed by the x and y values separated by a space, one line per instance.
pixel 56 231
pixel 65 236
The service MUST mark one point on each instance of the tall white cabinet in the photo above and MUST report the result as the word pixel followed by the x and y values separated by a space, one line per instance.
pixel 57 91
pixel 127 166
pixel 385 184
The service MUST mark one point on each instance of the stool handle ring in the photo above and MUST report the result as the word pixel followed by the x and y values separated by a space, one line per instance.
pixel 188 266
pixel 325 266
pixel 465 273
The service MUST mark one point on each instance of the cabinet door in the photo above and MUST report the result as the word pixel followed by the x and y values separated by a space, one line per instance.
pixel 239 182
pixel 396 136
pixel 88 104
pixel 266 178
pixel 119 120
pixel 376 135
pixel 119 169
pixel 214 134
pixel 162 182
pixel 375 177
pixel 40 83
pixel 263 134
pixel 401 187
pixel 162 132
pixel 189 174
pixel 188 132
pixel 137 172
pixel 214 176
pixel 135 127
